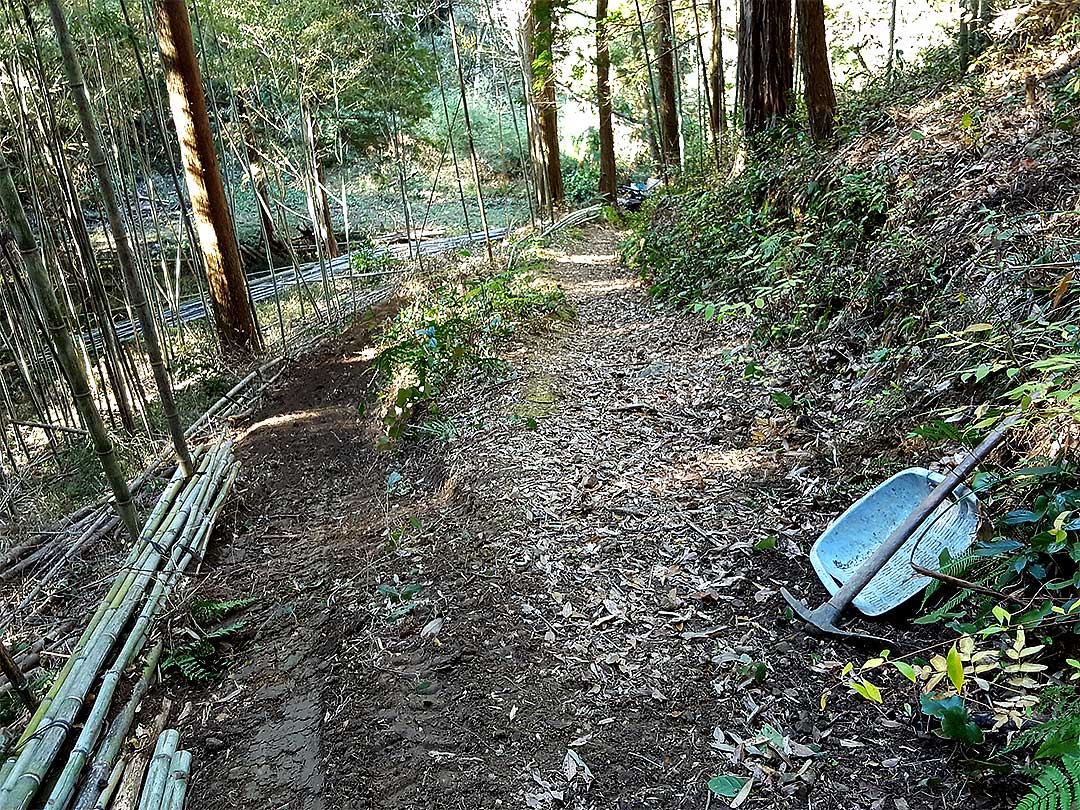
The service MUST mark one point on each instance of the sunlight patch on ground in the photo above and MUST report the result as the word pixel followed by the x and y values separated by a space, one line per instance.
pixel 592 288
pixel 585 258
pixel 366 356
pixel 279 420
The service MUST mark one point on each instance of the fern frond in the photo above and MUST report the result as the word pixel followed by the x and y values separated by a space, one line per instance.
pixel 195 660
pixel 955 567
pixel 208 611
pixel 1057 788
pixel 1048 735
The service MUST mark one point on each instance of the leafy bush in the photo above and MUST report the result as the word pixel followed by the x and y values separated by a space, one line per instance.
pixel 451 329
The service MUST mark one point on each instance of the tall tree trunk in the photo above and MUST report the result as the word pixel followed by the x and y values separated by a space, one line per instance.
pixel 318 203
pixel 60 336
pixel 541 28
pixel 717 113
pixel 120 236
pixel 608 189
pixel 665 81
pixel 817 77
pixel 892 41
pixel 257 170
pixel 765 70
pixel 210 209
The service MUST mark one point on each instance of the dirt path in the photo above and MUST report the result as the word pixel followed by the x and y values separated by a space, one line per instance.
pixel 558 607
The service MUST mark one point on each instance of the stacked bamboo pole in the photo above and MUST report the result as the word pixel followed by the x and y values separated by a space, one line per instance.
pixel 175 534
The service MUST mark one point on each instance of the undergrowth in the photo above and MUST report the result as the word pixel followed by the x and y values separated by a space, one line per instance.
pixel 200 659
pixel 455 327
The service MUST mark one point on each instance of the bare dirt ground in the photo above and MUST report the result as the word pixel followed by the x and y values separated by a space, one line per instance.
pixel 560 605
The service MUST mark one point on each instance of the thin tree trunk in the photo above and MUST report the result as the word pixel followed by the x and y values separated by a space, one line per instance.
pixel 653 127
pixel 469 132
pixel 765 70
pixel 68 356
pixel 665 83
pixel 892 41
pixel 542 51
pixel 120 236
pixel 224 272
pixel 318 204
pixel 450 135
pixel 607 189
pixel 818 89
pixel 716 72
pixel 257 173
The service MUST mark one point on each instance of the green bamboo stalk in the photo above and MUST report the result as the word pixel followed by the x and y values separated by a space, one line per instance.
pixel 179 779
pixel 113 783
pixel 120 235
pixel 60 334
pixel 100 774
pixel 135 561
pixel 157 776
pixel 64 787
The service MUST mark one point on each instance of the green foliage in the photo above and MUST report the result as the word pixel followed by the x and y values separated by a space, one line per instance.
pixel 199 660
pixel 779 240
pixel 1057 787
pixel 726 786
pixel 208 611
pixel 452 329
pixel 955 721
pixel 1054 738
pixel 583 184
pixel 11 708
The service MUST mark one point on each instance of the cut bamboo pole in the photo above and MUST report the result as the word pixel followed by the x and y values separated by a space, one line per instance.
pixel 157 775
pixel 169 548
pixel 179 778
pixel 64 787
pixel 103 769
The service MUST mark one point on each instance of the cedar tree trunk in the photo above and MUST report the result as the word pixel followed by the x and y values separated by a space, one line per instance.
pixel 765 71
pixel 608 191
pixel 817 77
pixel 210 209
pixel 665 80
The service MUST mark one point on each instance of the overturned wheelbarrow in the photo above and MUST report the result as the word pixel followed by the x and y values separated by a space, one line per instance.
pixel 866 556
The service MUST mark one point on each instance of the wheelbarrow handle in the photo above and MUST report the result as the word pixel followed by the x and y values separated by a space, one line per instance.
pixel 843 598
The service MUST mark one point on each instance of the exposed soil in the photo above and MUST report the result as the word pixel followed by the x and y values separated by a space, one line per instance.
pixel 591 628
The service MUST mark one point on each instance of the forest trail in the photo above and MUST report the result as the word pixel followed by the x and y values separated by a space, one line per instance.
pixel 560 607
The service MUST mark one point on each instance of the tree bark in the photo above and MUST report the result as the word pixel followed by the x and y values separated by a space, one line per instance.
pixel 210 209
pixel 665 82
pixel 818 89
pixel 257 170
pixel 124 255
pixel 318 203
pixel 67 356
pixel 608 190
pixel 541 38
pixel 765 70
pixel 717 111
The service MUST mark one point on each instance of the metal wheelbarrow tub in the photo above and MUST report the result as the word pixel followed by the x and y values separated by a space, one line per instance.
pixel 855 535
